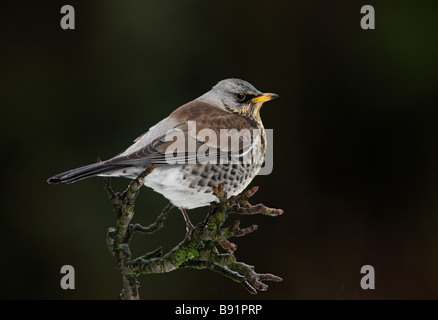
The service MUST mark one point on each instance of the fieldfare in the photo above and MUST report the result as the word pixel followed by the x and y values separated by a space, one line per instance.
pixel 219 138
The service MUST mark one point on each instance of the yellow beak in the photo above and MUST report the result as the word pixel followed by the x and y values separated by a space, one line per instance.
pixel 264 97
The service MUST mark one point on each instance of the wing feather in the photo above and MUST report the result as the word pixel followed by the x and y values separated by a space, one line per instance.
pixel 156 145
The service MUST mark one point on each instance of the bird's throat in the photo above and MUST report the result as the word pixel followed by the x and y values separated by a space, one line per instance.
pixel 252 111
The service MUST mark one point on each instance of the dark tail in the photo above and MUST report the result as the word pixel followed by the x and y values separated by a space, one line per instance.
pixel 82 173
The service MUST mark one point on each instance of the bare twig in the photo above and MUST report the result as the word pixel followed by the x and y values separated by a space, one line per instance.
pixel 199 251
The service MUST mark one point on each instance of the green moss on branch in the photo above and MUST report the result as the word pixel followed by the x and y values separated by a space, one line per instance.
pixel 199 250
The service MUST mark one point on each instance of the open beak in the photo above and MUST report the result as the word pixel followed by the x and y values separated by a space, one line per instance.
pixel 264 97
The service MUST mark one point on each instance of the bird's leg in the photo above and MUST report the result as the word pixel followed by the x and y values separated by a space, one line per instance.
pixel 189 225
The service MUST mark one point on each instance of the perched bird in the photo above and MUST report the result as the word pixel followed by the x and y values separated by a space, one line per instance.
pixel 187 181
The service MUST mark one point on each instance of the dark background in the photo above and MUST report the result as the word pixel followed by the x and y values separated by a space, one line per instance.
pixel 355 155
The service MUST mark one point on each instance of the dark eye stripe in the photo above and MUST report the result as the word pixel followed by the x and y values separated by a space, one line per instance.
pixel 242 97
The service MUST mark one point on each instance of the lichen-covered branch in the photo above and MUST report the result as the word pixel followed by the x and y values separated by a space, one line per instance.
pixel 201 249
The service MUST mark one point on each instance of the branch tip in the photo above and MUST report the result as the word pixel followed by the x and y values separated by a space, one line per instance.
pixel 200 250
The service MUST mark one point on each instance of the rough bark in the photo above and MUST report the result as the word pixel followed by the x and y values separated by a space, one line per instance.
pixel 200 249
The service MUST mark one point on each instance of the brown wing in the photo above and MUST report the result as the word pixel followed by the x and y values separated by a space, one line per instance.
pixel 196 122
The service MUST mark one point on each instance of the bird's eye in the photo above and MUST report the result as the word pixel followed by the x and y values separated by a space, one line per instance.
pixel 240 96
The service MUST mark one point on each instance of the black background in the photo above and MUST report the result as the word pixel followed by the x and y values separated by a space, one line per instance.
pixel 355 154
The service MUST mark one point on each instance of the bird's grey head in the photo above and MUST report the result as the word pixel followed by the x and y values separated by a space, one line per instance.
pixel 235 95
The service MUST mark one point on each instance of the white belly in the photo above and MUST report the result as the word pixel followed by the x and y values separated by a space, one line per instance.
pixel 170 183
pixel 183 193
